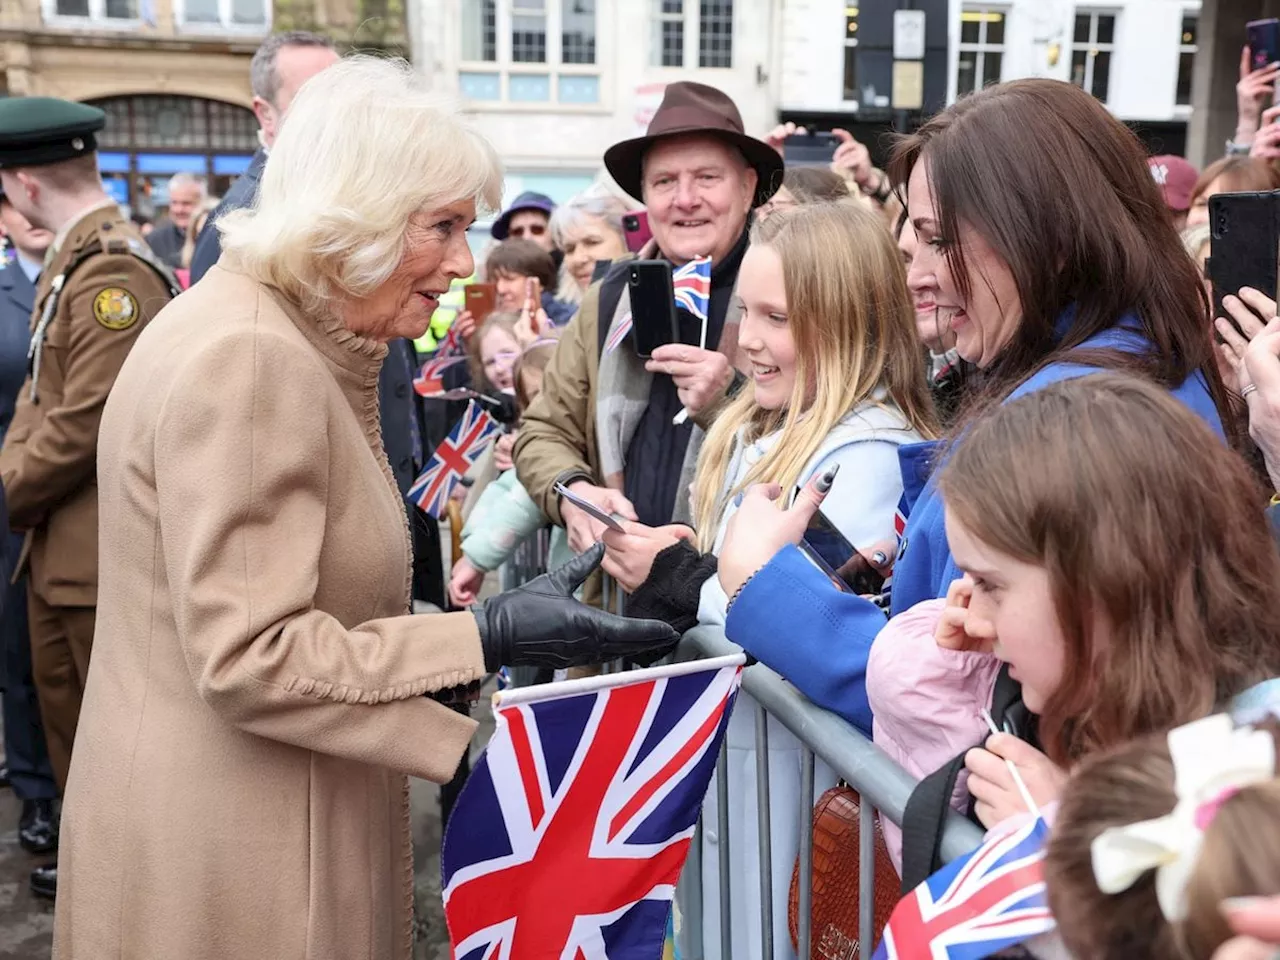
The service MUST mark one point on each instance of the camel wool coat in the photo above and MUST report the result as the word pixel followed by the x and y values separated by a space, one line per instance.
pixel 255 696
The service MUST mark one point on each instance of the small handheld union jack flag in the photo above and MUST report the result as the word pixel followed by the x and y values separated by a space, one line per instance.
pixel 451 345
pixel 692 284
pixel 971 908
pixel 618 334
pixel 453 458
pixel 570 834
pixel 430 380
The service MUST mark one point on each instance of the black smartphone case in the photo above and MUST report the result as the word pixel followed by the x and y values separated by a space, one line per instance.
pixel 1244 244
pixel 653 305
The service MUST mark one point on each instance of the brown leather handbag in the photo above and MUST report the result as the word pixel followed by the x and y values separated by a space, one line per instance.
pixel 835 880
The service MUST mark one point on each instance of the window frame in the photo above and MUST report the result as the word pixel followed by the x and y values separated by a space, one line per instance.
pixel 691 48
pixel 982 47
pixel 553 68
pixel 97 16
pixel 1191 48
pixel 224 23
pixel 1092 47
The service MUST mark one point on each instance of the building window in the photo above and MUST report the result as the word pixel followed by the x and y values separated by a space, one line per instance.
pixel 981 49
pixel 479 30
pixel 682 31
pixel 1091 47
pixel 578 31
pixel 668 34
pixel 529 31
pixel 100 10
pixel 715 33
pixel 529 51
pixel 1186 59
pixel 227 14
pixel 851 53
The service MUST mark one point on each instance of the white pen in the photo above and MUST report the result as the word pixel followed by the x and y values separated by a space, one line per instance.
pixel 1013 771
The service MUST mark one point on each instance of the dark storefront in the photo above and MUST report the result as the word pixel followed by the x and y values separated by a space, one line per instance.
pixel 149 138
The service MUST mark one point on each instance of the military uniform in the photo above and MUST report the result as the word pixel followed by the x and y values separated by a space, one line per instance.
pixel 100 286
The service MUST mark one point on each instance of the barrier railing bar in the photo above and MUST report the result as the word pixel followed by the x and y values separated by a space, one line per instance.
pixel 722 841
pixel 866 877
pixel 879 781
pixel 689 893
pixel 804 908
pixel 763 827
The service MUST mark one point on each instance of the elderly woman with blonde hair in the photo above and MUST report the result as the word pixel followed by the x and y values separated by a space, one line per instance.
pixel 256 697
pixel 588 228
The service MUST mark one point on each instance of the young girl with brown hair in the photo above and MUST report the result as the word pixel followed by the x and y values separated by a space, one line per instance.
pixel 1155 837
pixel 1114 556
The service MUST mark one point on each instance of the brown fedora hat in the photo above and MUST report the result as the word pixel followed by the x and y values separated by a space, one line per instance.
pixel 695 108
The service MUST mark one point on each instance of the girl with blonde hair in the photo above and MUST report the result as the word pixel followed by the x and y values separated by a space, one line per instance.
pixel 833 385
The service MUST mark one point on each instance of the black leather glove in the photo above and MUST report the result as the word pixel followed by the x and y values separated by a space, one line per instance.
pixel 540 624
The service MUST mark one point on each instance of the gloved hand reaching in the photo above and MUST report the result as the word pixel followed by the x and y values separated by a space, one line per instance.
pixel 540 624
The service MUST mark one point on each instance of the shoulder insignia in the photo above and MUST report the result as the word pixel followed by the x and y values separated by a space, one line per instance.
pixel 115 308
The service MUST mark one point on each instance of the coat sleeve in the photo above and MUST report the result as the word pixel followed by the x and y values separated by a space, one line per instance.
pixel 553 437
pixel 502 517
pixel 791 618
pixel 242 466
pixel 41 468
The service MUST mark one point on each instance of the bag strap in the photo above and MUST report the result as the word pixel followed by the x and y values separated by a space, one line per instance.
pixel 922 823
pixel 610 294
pixel 930 802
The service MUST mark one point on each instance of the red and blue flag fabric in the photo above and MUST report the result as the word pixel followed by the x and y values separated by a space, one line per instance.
pixel 430 379
pixel 692 285
pixel 618 333
pixel 976 906
pixel 451 345
pixel 453 458
pixel 569 837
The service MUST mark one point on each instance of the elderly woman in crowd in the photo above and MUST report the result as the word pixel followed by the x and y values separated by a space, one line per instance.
pixel 257 690
pixel 588 228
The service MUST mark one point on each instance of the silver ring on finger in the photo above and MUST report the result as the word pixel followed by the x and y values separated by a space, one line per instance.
pixel 1247 389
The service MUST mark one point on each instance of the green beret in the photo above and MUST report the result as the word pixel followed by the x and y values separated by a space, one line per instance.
pixel 39 130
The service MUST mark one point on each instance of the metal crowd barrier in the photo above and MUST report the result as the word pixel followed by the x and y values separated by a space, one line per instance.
pixel 882 785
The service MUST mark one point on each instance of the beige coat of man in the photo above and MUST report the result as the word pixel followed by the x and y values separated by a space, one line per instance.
pixel 238 789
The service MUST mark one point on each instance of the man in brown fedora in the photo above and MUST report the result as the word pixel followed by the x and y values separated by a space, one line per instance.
pixel 603 425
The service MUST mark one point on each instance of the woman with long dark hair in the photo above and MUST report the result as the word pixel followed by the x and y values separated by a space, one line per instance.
pixel 1046 249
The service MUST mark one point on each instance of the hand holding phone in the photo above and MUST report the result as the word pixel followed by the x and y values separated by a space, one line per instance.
pixel 589 508
pixel 479 299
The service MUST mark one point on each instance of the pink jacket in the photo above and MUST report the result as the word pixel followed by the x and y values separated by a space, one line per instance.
pixel 927 702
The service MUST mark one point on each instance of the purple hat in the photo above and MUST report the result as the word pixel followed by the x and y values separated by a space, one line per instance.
pixel 526 201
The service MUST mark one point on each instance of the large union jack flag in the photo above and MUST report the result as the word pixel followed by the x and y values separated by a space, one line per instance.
pixel 973 907
pixel 568 839
pixel 453 458
pixel 692 285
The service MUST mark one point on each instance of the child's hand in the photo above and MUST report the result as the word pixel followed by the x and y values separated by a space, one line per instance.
pixel 464 583
pixel 993 786
pixel 503 449
pixel 952 631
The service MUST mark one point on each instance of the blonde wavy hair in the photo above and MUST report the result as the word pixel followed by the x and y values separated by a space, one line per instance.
pixel 365 146
pixel 854 329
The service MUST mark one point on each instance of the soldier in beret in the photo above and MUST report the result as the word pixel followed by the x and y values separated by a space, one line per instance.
pixel 99 287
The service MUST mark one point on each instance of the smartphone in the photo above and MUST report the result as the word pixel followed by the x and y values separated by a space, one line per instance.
pixel 809 149
pixel 653 305
pixel 635 229
pixel 591 509
pixel 1264 42
pixel 1244 244
pixel 829 550
pixel 480 299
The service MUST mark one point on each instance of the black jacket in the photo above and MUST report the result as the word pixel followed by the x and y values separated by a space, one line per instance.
pixel 242 194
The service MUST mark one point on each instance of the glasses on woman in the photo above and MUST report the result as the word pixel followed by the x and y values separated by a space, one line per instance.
pixel 532 229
